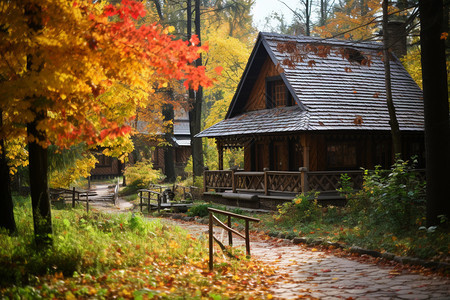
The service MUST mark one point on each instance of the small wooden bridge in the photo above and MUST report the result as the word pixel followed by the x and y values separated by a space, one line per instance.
pixel 158 197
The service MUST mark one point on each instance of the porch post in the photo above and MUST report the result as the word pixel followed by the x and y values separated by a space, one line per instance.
pixel 220 153
pixel 306 157
pixel 305 150
pixel 304 179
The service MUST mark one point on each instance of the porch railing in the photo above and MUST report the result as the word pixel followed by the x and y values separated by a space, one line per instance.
pixel 278 182
pixel 270 182
pixel 330 180
pixel 218 180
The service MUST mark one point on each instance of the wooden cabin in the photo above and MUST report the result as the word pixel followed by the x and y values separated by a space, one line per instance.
pixel 314 105
pixel 179 144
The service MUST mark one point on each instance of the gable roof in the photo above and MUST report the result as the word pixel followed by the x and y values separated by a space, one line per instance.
pixel 334 93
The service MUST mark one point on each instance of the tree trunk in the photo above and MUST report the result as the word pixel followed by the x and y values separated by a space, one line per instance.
pixel 308 17
pixel 7 211
pixel 395 129
pixel 437 125
pixel 159 10
pixel 323 12
pixel 169 162
pixel 37 155
pixel 196 112
pixel 40 200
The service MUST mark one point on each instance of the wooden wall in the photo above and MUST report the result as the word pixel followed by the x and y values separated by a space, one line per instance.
pixel 370 149
pixel 257 98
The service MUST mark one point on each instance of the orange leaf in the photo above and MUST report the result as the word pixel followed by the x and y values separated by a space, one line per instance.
pixel 218 70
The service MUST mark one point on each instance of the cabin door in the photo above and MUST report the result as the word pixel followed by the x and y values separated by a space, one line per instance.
pixel 260 152
pixel 280 156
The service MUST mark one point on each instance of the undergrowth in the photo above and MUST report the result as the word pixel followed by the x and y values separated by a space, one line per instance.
pixel 117 255
pixel 388 214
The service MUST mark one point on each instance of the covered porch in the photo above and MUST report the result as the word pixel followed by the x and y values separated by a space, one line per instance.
pixel 267 189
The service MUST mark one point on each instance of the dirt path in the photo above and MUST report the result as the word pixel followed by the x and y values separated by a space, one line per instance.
pixel 99 203
pixel 314 273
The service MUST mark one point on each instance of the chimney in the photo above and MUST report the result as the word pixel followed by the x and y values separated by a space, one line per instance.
pixel 397 38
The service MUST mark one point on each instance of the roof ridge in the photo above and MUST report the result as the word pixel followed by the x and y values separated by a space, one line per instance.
pixel 329 41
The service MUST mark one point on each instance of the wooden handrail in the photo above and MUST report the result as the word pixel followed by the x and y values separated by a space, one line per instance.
pixel 213 218
pixel 158 198
pixel 227 213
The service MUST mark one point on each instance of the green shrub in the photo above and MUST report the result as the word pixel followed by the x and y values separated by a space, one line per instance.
pixel 142 173
pixel 303 208
pixel 394 200
pixel 199 210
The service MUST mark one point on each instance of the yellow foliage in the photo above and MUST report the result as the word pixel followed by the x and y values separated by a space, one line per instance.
pixel 232 55
pixel 412 63
pixel 81 169
pixel 16 154
pixel 142 173
pixel 354 21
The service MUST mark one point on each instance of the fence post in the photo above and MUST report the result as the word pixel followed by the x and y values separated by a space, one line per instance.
pixel 159 202
pixel 304 179
pixel 140 199
pixel 211 245
pixel 87 202
pixel 247 238
pixel 230 234
pixel 233 181
pixel 205 173
pixel 266 183
pixel 73 197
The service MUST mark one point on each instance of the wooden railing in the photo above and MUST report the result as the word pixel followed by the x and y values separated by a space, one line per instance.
pixel 222 180
pixel 72 194
pixel 147 199
pixel 249 181
pixel 283 182
pixel 213 219
pixel 269 182
pixel 188 191
pixel 116 191
pixel 330 180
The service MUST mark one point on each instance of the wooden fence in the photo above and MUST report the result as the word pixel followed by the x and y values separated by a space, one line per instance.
pixel 213 219
pixel 269 182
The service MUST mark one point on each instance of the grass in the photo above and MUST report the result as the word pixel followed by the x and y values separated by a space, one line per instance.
pixel 119 255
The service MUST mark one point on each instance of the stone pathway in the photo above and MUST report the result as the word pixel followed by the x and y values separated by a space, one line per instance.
pixel 305 272
pixel 102 202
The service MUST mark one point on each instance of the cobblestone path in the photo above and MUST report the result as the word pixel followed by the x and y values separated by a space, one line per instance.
pixel 311 273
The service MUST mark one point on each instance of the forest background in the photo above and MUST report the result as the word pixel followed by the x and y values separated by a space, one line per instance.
pixel 226 27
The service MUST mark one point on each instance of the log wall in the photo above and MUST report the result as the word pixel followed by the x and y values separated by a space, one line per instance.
pixel 257 98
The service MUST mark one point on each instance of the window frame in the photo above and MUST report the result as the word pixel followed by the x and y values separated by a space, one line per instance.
pixel 269 85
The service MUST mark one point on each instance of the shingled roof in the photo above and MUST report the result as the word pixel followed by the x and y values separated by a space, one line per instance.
pixel 331 93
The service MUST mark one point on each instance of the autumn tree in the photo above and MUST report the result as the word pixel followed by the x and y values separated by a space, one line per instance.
pixel 435 94
pixel 352 19
pixel 59 60
pixel 393 122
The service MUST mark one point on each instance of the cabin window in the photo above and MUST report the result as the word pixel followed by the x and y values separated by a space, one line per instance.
pixel 341 156
pixel 277 94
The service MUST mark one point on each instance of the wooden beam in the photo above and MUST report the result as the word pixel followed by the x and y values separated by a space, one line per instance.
pixel 220 153
pixel 305 150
